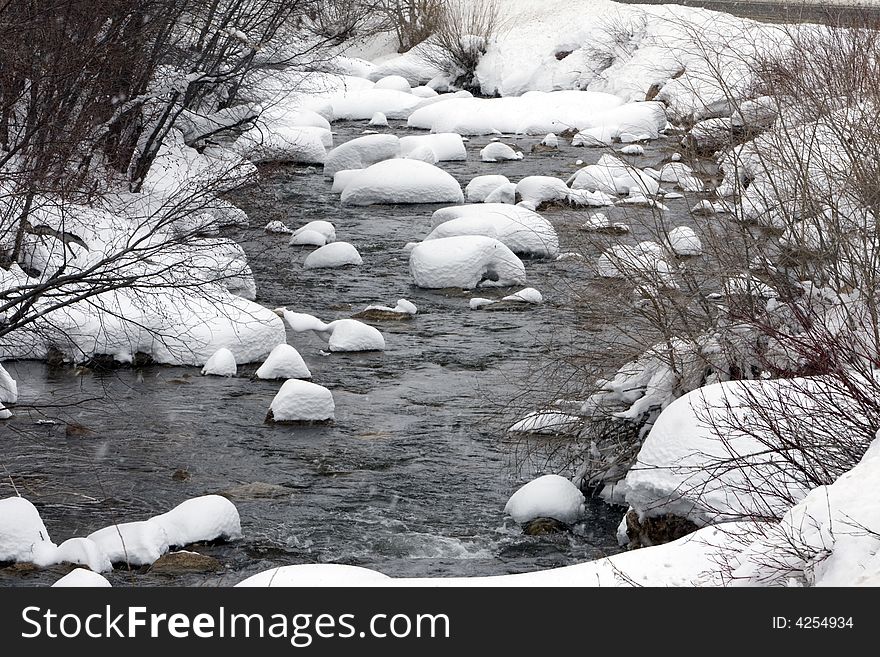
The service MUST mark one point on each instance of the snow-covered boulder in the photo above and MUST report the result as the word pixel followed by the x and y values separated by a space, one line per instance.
pixel 465 261
pixel 335 254
pixel 402 181
pixel 633 150
pixel 402 309
pixel 444 147
pixel 82 578
pixel 684 241
pixel 682 176
pixel 498 152
pixel 550 496
pixel 277 226
pixel 504 194
pixel 361 104
pixel 379 120
pixel 550 141
pixel 644 264
pixel 284 363
pixel 322 575
pixel 78 550
pixel 8 392
pixel 307 117
pixel 21 530
pixel 481 186
pixel 536 190
pixel 135 543
pixel 360 153
pixel 205 518
pixel 314 233
pixel 423 92
pixel 222 363
pixel 396 82
pixel 341 334
pixel 302 401
pixel 526 295
pixel 523 232
pixel 613 176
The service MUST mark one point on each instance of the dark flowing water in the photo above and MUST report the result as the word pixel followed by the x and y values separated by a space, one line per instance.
pixel 410 480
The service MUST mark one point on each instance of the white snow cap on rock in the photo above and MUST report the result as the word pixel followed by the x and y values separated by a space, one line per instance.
pixel 379 119
pixel 135 543
pixel 503 194
pixel 519 229
pixel 299 576
pixel 551 140
pixel 284 363
pixel 526 295
pixel 21 530
pixel 465 261
pixel 550 496
pixel 335 254
pixel 403 307
pixel 341 334
pixel 314 233
pixel 302 401
pixel 8 393
pixel 82 578
pixel 402 181
pixel 395 82
pixel 78 550
pixel 684 241
pixel 222 363
pixel 633 149
pixel 498 152
pixel 446 146
pixel 481 186
pixel 613 176
pixel 205 518
pixel 361 152
pixel 644 263
pixel 535 190
pixel 277 226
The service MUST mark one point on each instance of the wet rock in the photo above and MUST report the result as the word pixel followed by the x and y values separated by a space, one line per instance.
pixel 77 430
pixel 257 490
pixel 180 475
pixel 179 563
pixel 377 315
pixel 656 530
pixel 544 148
pixel 542 526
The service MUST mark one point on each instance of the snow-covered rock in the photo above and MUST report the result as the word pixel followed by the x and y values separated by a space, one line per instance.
pixel 522 231
pixel 403 307
pixel 444 147
pixel 526 295
pixel 684 241
pixel 221 363
pixel 78 550
pixel 314 233
pixel 205 518
pixel 277 226
pixel 402 181
pixel 643 263
pixel 681 175
pixel 550 141
pixel 535 190
pixel 613 176
pixel 135 543
pixel 465 261
pixel 21 530
pixel 633 149
pixel 8 393
pixel 362 104
pixel 498 152
pixel 277 142
pixel 360 153
pixel 380 120
pixel 302 401
pixel 335 254
pixel 341 334
pixel 548 423
pixel 331 575
pixel 550 496
pixel 396 82
pixel 481 186
pixel 284 363
pixel 505 194
pixel 82 578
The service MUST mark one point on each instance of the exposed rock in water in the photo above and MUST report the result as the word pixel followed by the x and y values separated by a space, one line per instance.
pixel 541 526
pixel 376 315
pixel 177 563
pixel 657 530
pixel 256 490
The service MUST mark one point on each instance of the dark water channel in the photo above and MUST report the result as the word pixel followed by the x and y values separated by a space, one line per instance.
pixel 411 479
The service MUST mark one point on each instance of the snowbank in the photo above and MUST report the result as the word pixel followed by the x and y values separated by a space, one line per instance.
pixel 465 261
pixel 302 401
pixel 402 181
pixel 284 363
pixel 550 496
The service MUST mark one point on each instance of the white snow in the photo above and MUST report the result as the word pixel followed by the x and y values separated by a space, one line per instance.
pixel 302 401
pixel 221 363
pixel 284 363
pixel 135 543
pixel 8 392
pixel 443 146
pixel 21 530
pixel 613 176
pixel 551 141
pixel 550 496
pixel 682 175
pixel 505 194
pixel 379 119
pixel 526 295
pixel 78 550
pixel 481 186
pixel 633 149
pixel 364 103
pixel 403 307
pixel 341 334
pixel 535 190
pixel 331 575
pixel 465 261
pixel 277 226
pixel 643 263
pixel 520 230
pixel 547 422
pixel 335 254
pixel 395 82
pixel 360 153
pixel 82 578
pixel 314 233
pixel 205 518
pixel 402 181
pixel 498 152
pixel 684 241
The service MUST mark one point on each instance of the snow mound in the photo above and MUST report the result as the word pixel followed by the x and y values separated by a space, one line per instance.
pixel 550 141
pixel 523 231
pixel 314 233
pixel 277 226
pixel 135 543
pixel 221 363
pixel 402 181
pixel 379 119
pixel 547 423
pixel 335 254
pixel 423 92
pixel 481 186
pixel 498 152
pixel 302 401
pixel 526 295
pixel 308 575
pixel 643 264
pixel 341 334
pixel 8 392
pixel 21 530
pixel 307 117
pixel 360 153
pixel 284 363
pixel 684 241
pixel 536 190
pixel 465 261
pixel 362 104
pixel 403 307
pixel 613 176
pixel 82 578
pixel 682 175
pixel 396 82
pixel 633 149
pixel 444 147
pixel 550 496
pixel 80 551
pixel 205 518
pixel 505 194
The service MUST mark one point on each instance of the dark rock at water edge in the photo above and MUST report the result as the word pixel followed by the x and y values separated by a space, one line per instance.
pixel 542 526
pixel 176 563
pixel 656 530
